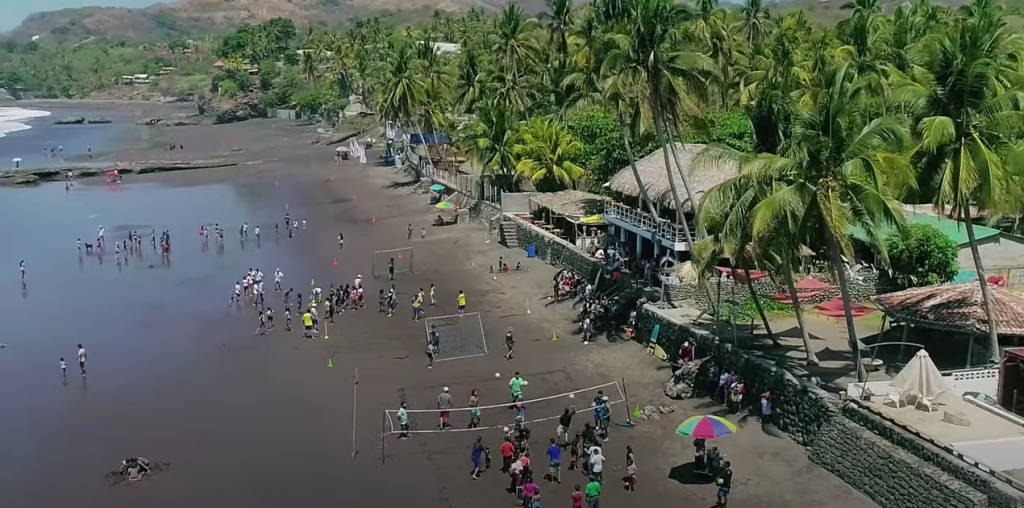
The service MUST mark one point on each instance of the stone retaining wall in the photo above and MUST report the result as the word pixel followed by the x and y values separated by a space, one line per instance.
pixel 999 494
pixel 888 475
pixel 555 251
pixel 889 465
pixel 693 295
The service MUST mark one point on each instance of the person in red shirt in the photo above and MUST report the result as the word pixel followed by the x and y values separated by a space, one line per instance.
pixel 507 452
pixel 577 498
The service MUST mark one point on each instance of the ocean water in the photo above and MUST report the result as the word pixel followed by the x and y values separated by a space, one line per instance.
pixel 27 134
pixel 149 326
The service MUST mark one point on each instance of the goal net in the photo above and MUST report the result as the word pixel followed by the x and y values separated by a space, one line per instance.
pixel 401 257
pixel 458 336
pixel 541 413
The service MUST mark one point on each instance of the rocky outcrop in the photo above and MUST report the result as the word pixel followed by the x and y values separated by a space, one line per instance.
pixel 34 176
pixel 81 120
pixel 242 108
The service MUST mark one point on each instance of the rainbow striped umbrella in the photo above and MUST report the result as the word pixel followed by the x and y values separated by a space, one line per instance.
pixel 706 427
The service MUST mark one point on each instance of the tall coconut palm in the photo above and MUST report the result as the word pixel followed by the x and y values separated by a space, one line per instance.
pixel 756 17
pixel 725 218
pixel 490 140
pixel 966 119
pixel 674 80
pixel 559 20
pixel 838 173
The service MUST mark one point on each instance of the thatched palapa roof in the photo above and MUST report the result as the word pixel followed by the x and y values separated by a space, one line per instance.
pixel 956 307
pixel 655 177
pixel 570 203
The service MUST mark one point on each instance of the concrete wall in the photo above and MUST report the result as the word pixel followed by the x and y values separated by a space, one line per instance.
pixel 894 468
pixel 1001 251
pixel 516 202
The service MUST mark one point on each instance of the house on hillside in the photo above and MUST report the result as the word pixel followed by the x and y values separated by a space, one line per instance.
pixel 647 235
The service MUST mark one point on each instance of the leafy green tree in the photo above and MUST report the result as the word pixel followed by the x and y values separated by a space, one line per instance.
pixel 921 255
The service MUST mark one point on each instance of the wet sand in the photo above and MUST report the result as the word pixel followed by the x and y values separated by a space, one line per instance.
pixel 177 377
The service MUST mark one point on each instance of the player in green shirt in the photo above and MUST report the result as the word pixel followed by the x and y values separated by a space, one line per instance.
pixel 515 386
pixel 593 492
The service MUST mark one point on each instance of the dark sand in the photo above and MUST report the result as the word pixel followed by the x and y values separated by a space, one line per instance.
pixel 256 421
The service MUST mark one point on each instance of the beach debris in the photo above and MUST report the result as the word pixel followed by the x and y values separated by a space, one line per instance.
pixel 134 469
pixel 653 413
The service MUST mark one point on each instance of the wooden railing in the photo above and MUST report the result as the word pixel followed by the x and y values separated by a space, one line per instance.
pixel 664 229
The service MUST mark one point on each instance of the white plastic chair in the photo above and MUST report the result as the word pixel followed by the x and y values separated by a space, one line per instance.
pixel 929 403
pixel 896 397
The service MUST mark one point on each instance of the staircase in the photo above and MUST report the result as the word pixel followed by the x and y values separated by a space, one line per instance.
pixel 510 235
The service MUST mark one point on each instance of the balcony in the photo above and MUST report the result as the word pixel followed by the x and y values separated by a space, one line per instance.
pixel 642 223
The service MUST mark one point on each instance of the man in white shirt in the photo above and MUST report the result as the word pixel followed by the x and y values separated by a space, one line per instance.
pixel 278 275
pixel 358 282
pixel 81 359
pixel 596 462
pixel 403 422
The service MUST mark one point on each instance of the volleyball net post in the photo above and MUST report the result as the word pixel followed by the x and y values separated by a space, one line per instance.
pixel 550 406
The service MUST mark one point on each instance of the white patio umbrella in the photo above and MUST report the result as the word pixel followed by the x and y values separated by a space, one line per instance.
pixel 920 377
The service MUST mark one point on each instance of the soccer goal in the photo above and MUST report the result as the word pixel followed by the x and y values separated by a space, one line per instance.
pixel 458 336
pixel 402 259
pixel 541 414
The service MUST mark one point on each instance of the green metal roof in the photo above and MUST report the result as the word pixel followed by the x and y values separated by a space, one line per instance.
pixel 953 229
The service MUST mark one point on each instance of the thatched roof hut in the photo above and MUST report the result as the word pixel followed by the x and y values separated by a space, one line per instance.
pixel 572 204
pixel 652 172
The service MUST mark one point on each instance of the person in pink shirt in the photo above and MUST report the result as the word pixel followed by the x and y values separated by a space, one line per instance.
pixel 530 489
pixel 577 498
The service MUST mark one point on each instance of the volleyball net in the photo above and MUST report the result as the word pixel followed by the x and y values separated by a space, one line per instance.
pixel 503 416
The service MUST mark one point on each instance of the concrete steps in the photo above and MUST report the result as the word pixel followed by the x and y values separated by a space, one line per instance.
pixel 510 235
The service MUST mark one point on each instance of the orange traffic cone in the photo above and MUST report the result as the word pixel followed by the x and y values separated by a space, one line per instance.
pixel 334 262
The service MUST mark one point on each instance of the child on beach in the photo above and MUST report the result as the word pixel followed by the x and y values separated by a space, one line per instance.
pixel 63 368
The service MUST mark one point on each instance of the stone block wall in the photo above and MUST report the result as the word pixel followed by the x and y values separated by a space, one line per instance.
pixel 891 477
pixel 999 494
pixel 557 252
pixel 694 296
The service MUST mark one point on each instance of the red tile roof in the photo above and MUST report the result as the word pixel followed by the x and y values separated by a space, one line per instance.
pixel 956 307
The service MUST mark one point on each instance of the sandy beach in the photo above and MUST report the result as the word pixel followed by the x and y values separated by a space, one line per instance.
pixel 261 420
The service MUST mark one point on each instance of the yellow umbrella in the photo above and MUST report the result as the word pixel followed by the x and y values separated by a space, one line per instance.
pixel 445 205
pixel 592 220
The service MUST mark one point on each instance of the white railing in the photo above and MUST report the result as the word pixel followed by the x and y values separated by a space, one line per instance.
pixel 664 229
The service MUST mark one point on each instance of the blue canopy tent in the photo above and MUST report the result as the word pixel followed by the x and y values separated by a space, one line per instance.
pixel 431 138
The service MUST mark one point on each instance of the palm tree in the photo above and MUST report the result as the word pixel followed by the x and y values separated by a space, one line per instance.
pixel 543 151
pixel 559 21
pixel 310 66
pixel 725 219
pixel 514 49
pixel 967 123
pixel 674 80
pixel 838 173
pixel 402 91
pixel 756 17
pixel 490 141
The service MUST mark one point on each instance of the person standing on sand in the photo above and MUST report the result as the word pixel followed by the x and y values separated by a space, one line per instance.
pixel 21 268
pixel 256 230
pixel 475 455
pixel 341 241
pixel 433 299
pixel 391 269
pixel 444 404
pixel 510 343
pixel 462 303
pixel 474 409
pixel 81 359
pixel 403 421
pixel 262 329
pixel 408 236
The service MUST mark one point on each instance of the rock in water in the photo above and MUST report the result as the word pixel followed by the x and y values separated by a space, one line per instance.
pixel 71 120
